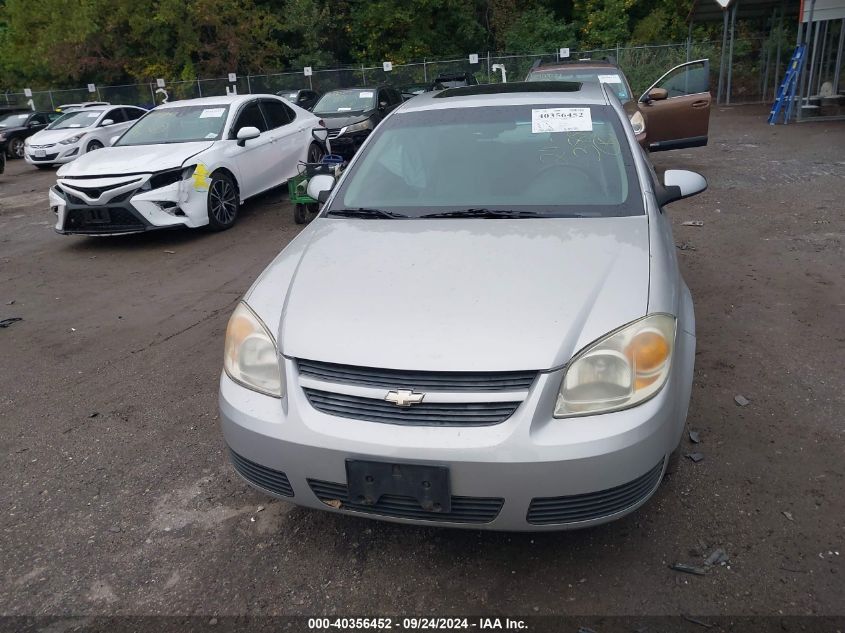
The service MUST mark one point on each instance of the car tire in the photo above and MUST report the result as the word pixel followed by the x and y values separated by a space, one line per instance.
pixel 93 145
pixel 223 202
pixel 16 148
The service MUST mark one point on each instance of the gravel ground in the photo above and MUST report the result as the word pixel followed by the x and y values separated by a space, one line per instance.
pixel 117 497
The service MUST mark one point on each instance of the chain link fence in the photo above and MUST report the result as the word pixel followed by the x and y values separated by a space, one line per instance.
pixel 754 76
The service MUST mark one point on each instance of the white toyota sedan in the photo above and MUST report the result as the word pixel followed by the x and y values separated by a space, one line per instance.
pixel 185 164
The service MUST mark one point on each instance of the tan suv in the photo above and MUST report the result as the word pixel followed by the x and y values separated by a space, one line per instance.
pixel 673 113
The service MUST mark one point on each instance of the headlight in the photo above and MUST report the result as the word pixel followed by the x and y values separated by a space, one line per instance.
pixel 250 356
pixel 71 139
pixel 638 122
pixel 623 369
pixel 363 126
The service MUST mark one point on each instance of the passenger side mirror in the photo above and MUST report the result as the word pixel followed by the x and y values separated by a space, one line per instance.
pixel 320 186
pixel 382 105
pixel 106 123
pixel 679 184
pixel 247 133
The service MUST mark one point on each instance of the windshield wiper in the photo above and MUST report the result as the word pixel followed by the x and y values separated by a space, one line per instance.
pixel 370 214
pixel 484 213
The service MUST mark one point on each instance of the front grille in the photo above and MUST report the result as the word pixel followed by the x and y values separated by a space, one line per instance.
pixel 42 146
pixel 333 134
pixel 96 192
pixel 423 414
pixel 115 220
pixel 268 479
pixel 464 509
pixel 420 380
pixel 593 505
pixel 45 158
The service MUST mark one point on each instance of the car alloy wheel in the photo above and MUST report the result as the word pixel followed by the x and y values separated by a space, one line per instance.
pixel 222 202
pixel 16 147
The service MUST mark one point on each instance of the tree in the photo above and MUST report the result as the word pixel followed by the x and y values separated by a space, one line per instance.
pixel 604 23
pixel 537 30
pixel 403 30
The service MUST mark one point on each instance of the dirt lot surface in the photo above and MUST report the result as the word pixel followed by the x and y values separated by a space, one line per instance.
pixel 117 496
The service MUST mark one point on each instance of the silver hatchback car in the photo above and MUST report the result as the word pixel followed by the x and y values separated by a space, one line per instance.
pixel 485 326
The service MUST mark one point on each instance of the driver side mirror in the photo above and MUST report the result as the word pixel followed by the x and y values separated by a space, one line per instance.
pixel 106 123
pixel 656 94
pixel 320 186
pixel 679 184
pixel 382 105
pixel 247 133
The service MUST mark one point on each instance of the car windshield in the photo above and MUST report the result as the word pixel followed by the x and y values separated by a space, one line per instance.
pixel 182 124
pixel 609 76
pixel 346 101
pixel 13 120
pixel 522 161
pixel 76 119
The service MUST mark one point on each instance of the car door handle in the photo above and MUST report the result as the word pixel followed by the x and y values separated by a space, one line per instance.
pixel 701 103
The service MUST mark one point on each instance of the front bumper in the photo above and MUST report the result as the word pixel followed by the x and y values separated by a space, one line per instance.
pixel 346 145
pixel 57 154
pixel 125 209
pixel 530 472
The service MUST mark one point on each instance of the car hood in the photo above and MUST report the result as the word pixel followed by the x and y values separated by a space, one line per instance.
pixel 461 295
pixel 133 159
pixel 47 137
pixel 342 119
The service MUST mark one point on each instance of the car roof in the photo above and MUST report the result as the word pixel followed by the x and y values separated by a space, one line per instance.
pixel 586 64
pixel 219 100
pixel 510 94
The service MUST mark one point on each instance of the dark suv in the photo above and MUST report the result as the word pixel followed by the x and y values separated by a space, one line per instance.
pixel 352 113
pixel 305 99
pixel 454 80
pixel 17 126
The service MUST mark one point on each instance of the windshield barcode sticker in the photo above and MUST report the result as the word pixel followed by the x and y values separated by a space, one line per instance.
pixel 610 79
pixel 561 120
pixel 365 95
pixel 212 113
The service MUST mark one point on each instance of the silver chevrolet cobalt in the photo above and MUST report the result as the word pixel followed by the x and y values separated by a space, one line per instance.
pixel 485 326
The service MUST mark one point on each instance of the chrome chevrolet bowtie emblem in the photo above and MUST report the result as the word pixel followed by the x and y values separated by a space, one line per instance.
pixel 404 397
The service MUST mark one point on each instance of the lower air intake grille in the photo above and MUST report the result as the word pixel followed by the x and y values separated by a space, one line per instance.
pixel 464 509
pixel 423 414
pixel 593 505
pixel 421 380
pixel 271 480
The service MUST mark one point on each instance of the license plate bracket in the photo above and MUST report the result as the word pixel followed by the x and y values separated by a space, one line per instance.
pixel 368 481
pixel 40 153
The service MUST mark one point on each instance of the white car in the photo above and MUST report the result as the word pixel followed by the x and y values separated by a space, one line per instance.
pixel 78 132
pixel 189 163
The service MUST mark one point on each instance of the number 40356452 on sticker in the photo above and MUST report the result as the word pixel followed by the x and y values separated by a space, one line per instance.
pixel 561 120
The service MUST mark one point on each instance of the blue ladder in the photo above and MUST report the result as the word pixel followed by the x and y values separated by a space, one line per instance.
pixel 786 92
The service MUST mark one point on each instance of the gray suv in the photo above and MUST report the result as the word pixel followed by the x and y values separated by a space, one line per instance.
pixel 485 326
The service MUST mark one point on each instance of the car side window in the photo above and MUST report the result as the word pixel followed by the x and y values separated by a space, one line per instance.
pixel 688 79
pixel 250 116
pixel 132 113
pixel 52 116
pixel 115 115
pixel 39 119
pixel 276 113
